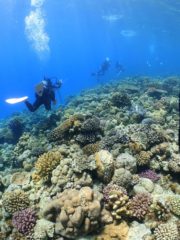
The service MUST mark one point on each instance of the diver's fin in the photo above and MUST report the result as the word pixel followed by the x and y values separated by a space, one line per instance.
pixel 16 100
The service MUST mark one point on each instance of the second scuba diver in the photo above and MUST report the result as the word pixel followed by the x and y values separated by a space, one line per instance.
pixel 45 94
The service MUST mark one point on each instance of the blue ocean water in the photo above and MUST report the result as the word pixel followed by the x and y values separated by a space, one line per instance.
pixel 70 39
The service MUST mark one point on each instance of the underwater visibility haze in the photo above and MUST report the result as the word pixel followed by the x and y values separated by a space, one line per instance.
pixel 89 119
pixel 71 39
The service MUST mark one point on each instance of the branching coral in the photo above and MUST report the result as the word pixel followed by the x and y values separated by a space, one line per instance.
pixel 15 201
pixel 116 201
pixel 174 203
pixel 167 231
pixel 45 164
pixel 160 211
pixel 24 221
pixel 139 205
pixel 153 176
pixel 110 189
pixel 144 158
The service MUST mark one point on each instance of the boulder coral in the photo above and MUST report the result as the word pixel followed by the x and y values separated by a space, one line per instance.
pixel 122 177
pixel 75 213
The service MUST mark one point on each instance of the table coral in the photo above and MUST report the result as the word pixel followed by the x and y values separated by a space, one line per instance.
pixel 75 213
pixel 15 201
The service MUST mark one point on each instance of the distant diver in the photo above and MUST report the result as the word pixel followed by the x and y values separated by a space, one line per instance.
pixel 119 68
pixel 45 94
pixel 103 68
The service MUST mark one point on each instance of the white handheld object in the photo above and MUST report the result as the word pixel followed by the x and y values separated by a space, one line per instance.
pixel 16 100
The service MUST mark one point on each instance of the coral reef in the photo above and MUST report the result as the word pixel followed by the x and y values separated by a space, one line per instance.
pixel 103 166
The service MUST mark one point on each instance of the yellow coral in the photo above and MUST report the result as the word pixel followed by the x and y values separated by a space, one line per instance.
pixel 45 164
pixel 144 158
pixel 112 231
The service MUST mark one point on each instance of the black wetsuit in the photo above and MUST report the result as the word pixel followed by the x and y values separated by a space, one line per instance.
pixel 47 97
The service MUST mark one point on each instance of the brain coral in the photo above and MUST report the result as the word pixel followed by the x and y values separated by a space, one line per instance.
pixel 15 201
pixel 167 231
pixel 45 164
pixel 75 213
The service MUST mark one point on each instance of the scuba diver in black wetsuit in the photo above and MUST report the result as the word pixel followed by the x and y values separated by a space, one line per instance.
pixel 45 95
pixel 103 68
